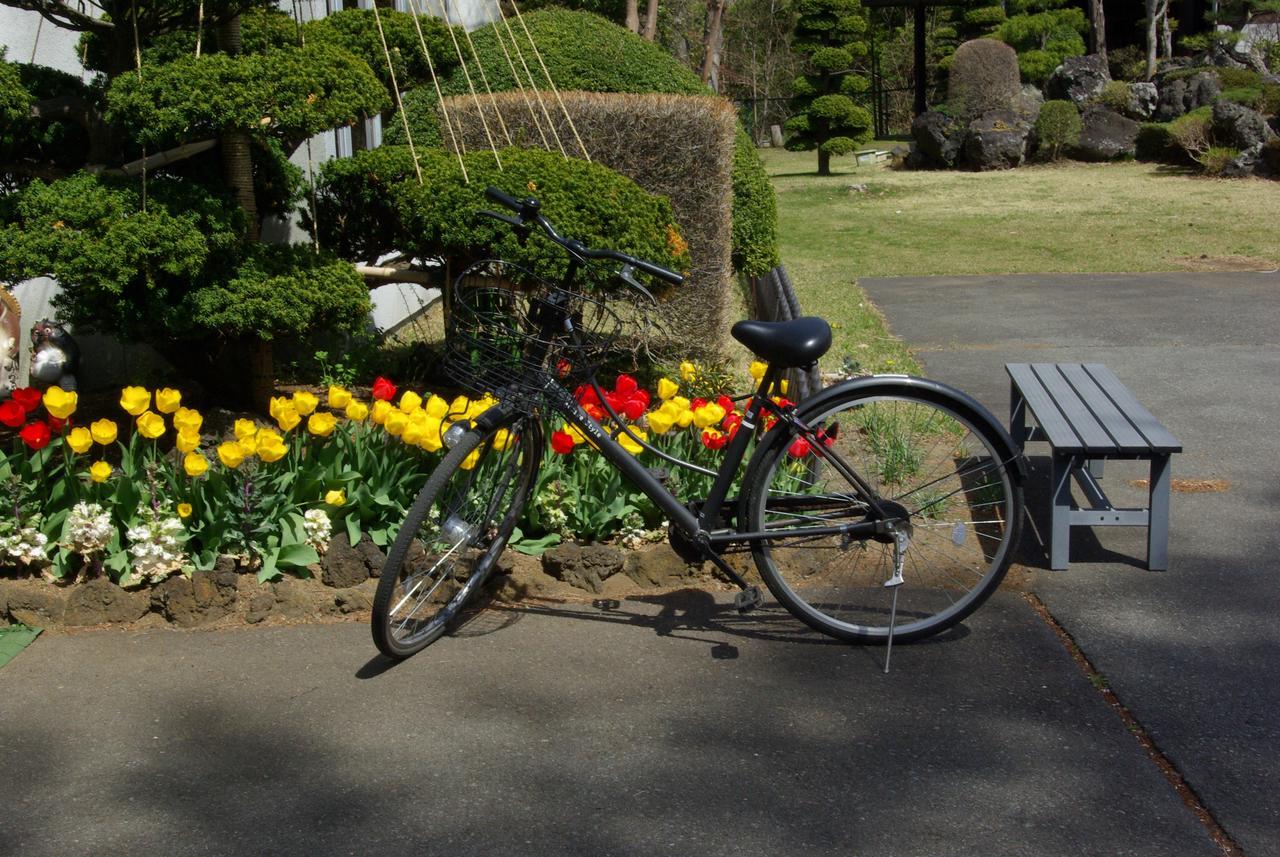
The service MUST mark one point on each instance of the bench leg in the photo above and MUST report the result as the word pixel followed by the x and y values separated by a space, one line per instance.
pixel 1017 417
pixel 1060 512
pixel 1158 514
pixel 1095 467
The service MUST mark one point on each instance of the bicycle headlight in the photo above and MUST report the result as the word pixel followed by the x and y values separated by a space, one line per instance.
pixel 455 432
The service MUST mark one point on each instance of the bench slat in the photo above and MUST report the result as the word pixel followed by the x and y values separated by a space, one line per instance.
pixel 1050 419
pixel 1093 437
pixel 1127 439
pixel 1159 438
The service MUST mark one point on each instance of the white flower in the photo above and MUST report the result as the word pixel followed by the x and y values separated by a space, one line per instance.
pixel 88 528
pixel 316 524
pixel 155 545
pixel 27 545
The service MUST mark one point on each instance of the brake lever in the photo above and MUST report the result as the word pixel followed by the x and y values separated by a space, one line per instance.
pixel 628 276
pixel 521 228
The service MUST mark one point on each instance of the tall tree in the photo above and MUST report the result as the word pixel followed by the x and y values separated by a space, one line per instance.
pixel 1157 17
pixel 1098 27
pixel 829 38
pixel 713 42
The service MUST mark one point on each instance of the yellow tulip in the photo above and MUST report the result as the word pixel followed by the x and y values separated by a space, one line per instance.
pixel 681 403
pixel 437 407
pixel 150 425
pixel 195 464
pixel 396 423
pixel 357 412
pixel 184 510
pixel 684 419
pixel 782 386
pixel 80 440
pixel 287 417
pixel 410 402
pixel 380 410
pixel 667 388
pixel 245 428
pixel 103 431
pixel 135 400
pixel 336 497
pixel 708 415
pixel 414 433
pixel 100 471
pixel 168 400
pixel 471 460
pixel 660 422
pixel 188 440
pixel 231 454
pixel 501 440
pixel 433 428
pixel 338 397
pixel 321 423
pixel 277 404
pixel 249 445
pixel 688 371
pixel 458 407
pixel 630 445
pixel 271 448
pixel 757 370
pixel 304 402
pixel 187 419
pixel 59 402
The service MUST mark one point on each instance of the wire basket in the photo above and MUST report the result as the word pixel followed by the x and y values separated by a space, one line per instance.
pixel 498 340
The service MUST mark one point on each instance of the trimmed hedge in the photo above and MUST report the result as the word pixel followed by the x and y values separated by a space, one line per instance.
pixel 677 146
pixel 371 204
pixel 585 52
pixel 1155 143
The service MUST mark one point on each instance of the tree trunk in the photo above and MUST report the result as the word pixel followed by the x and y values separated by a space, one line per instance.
pixel 633 15
pixel 1098 27
pixel 237 170
pixel 713 36
pixel 1153 33
pixel 650 31
pixel 824 162
pixel 1166 33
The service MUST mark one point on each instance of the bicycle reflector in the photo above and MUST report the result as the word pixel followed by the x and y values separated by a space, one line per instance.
pixel 454 433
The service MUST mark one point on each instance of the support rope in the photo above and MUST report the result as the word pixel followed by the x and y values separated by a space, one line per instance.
pixel 532 83
pixel 448 121
pixel 493 147
pixel 484 78
pixel 137 58
pixel 395 87
pixel 515 75
pixel 200 26
pixel 538 55
pixel 311 176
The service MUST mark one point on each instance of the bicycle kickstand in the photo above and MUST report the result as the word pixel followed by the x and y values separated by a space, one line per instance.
pixel 900 540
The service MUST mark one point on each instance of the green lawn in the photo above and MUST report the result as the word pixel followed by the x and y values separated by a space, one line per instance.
pixel 1068 217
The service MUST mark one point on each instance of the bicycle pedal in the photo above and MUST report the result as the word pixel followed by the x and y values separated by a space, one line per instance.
pixel 748 599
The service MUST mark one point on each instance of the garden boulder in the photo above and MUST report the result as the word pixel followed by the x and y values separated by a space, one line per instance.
pixel 1245 164
pixel 937 140
pixel 582 566
pixel 996 141
pixel 1143 100
pixel 1078 79
pixel 204 597
pixel 99 601
pixel 344 566
pixel 1183 95
pixel 1239 127
pixel 1105 135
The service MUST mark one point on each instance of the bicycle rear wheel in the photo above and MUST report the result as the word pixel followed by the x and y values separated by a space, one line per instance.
pixel 453 534
pixel 931 460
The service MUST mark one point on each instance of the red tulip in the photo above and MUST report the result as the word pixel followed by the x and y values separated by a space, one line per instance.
pixel 562 442
pixel 713 439
pixel 383 389
pixel 58 424
pixel 726 403
pixel 799 448
pixel 28 398
pixel 12 413
pixel 36 435
pixel 625 385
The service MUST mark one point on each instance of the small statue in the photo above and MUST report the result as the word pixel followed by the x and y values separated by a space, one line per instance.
pixel 10 339
pixel 55 356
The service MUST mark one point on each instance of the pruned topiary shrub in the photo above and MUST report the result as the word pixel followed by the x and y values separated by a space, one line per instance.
pixel 1057 127
pixel 677 146
pixel 1155 143
pixel 984 76
pixel 1115 95
pixel 372 204
pixel 1192 132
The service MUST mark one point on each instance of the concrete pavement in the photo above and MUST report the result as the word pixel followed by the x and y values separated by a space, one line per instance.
pixel 1191 651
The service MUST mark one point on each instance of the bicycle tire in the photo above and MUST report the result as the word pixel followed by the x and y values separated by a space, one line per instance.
pixel 454 533
pixel 939 458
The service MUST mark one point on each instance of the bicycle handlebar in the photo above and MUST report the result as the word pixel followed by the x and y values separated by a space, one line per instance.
pixel 528 211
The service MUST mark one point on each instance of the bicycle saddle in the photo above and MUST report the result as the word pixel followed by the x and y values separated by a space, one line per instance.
pixel 786 344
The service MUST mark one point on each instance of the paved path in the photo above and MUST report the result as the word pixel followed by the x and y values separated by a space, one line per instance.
pixel 1193 652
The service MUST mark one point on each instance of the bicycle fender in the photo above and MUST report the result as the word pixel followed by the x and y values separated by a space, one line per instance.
pixel 944 394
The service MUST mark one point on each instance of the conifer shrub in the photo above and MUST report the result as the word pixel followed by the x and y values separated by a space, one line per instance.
pixel 1057 127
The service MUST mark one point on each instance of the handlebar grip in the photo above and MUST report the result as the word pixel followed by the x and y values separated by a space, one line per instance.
pixel 502 199
pixel 658 271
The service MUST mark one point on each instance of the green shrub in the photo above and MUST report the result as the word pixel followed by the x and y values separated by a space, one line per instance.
pixel 1128 63
pixel 987 16
pixel 1155 143
pixel 1269 158
pixel 755 212
pixel 1192 132
pixel 1115 95
pixel 371 204
pixel 1057 127
pixel 1218 158
pixel 1249 96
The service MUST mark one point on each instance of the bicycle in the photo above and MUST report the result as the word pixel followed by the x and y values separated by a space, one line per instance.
pixel 879 509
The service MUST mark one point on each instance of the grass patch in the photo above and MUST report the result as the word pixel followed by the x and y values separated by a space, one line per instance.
pixel 1059 218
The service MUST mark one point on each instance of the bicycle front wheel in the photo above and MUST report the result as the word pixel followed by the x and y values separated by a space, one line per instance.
pixel 931 461
pixel 453 534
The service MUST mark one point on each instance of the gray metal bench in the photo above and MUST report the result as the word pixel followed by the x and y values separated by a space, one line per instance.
pixel 1088 416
